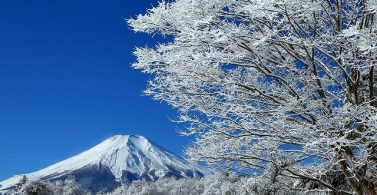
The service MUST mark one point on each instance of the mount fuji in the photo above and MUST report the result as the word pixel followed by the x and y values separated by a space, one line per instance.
pixel 119 159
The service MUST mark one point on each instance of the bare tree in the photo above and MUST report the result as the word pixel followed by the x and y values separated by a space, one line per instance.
pixel 281 88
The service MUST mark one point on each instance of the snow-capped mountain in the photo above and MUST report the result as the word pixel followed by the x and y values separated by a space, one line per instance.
pixel 119 159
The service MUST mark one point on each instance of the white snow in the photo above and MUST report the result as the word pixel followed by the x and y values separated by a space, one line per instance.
pixel 120 153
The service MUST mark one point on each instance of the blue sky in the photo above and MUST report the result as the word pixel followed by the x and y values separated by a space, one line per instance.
pixel 66 82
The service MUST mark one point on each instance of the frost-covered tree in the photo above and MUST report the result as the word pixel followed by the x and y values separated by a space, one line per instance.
pixel 208 185
pixel 278 88
pixel 61 187
pixel 35 188
pixel 68 187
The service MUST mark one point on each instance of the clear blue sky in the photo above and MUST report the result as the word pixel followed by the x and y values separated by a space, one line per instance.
pixel 66 82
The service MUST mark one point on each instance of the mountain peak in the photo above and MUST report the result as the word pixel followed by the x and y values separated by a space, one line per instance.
pixel 123 140
pixel 120 136
pixel 122 158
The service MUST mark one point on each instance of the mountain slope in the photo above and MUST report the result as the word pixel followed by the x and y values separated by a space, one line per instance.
pixel 119 159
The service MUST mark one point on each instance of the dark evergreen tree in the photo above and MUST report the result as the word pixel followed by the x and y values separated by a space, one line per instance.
pixel 22 182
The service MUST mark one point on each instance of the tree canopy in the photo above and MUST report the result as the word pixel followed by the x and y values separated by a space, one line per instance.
pixel 271 88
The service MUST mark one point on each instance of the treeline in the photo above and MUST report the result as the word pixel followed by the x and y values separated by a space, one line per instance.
pixel 214 184
pixel 67 187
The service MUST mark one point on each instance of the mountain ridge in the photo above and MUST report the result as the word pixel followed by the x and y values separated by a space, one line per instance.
pixel 116 160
